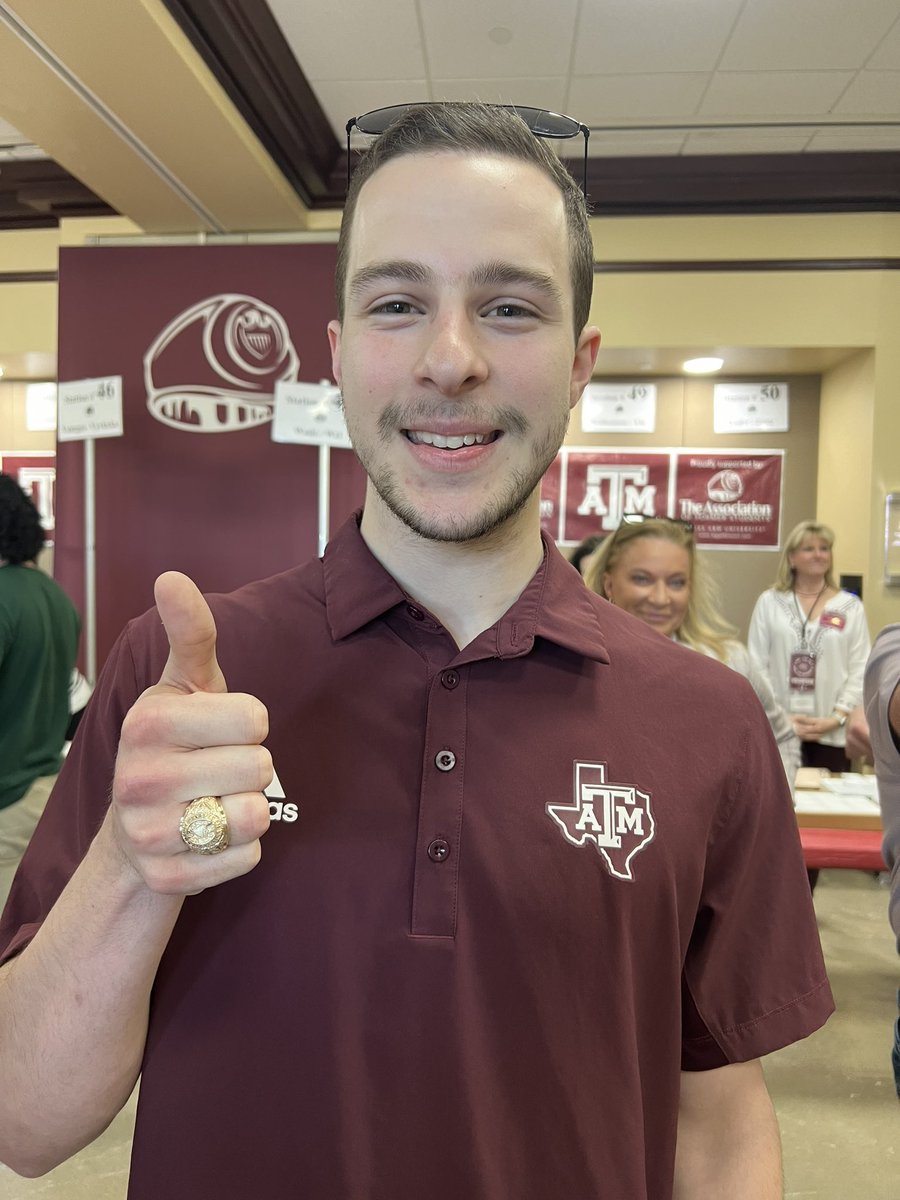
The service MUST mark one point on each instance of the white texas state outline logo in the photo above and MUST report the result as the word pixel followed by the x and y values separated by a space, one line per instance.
pixel 613 817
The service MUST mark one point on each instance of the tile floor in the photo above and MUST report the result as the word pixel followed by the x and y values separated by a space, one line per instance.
pixel 840 1118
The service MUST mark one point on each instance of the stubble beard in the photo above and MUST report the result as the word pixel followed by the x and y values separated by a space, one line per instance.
pixel 500 509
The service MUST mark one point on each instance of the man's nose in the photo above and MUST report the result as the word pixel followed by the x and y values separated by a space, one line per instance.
pixel 452 358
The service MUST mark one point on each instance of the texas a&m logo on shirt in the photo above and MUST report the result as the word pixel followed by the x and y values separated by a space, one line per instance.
pixel 615 818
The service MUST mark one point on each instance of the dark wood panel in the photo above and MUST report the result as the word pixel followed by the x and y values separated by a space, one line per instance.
pixel 744 265
pixel 745 183
pixel 37 193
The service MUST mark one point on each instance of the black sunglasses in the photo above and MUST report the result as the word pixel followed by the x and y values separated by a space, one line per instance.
pixel 541 123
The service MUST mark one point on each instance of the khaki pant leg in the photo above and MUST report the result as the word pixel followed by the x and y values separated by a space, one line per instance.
pixel 17 824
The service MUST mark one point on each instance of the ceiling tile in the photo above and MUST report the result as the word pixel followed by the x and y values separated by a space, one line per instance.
pixel 859 139
pixel 354 39
pixel 773 93
pixel 738 141
pixel 805 35
pixel 887 56
pixel 10 136
pixel 609 99
pixel 876 93
pixel 644 36
pixel 634 143
pixel 498 39
pixel 547 93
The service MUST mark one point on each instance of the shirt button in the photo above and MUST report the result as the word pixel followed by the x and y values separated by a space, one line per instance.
pixel 439 850
pixel 415 613
pixel 450 679
pixel 445 760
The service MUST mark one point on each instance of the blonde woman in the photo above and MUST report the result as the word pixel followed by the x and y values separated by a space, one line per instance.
pixel 811 641
pixel 651 568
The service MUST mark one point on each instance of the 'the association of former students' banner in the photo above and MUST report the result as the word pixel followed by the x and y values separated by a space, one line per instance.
pixel 732 498
pixel 200 336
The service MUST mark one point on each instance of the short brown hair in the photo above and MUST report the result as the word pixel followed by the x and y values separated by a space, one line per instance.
pixel 482 128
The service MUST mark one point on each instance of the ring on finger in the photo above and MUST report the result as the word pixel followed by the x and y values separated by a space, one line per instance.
pixel 204 826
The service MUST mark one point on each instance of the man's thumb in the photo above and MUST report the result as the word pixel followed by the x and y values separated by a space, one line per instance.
pixel 191 630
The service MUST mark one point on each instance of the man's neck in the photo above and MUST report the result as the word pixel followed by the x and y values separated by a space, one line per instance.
pixel 468 586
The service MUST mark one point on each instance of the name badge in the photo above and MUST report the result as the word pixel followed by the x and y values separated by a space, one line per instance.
pixel 802 681
pixel 833 620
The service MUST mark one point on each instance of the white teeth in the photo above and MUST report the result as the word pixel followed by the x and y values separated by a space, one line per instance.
pixel 447 443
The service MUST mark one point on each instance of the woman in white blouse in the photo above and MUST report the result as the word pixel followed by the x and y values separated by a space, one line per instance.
pixel 811 641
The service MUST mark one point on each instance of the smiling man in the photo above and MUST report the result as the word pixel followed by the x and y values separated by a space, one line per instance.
pixel 542 907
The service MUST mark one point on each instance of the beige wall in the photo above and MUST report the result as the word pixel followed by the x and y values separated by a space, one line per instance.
pixel 857 456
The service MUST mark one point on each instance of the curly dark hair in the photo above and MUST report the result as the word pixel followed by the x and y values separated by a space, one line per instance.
pixel 21 532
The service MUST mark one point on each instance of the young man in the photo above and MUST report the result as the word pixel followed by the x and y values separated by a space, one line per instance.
pixel 532 903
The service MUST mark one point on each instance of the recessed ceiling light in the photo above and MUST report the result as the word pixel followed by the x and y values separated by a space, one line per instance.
pixel 703 366
pixel 1 372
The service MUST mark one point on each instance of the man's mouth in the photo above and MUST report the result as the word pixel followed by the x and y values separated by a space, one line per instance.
pixel 420 437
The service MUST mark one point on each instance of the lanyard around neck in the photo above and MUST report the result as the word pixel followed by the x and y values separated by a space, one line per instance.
pixel 804 621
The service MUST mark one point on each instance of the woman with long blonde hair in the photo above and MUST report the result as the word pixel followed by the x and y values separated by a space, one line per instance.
pixel 651 568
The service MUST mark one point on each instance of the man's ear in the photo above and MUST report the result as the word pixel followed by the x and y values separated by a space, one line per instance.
pixel 586 349
pixel 334 341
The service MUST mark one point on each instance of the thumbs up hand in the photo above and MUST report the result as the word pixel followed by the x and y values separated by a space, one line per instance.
pixel 188 736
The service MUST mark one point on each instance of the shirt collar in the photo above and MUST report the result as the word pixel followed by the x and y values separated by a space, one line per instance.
pixel 556 604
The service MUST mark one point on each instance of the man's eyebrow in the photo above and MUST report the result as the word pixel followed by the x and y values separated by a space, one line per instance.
pixel 501 274
pixel 490 274
pixel 379 272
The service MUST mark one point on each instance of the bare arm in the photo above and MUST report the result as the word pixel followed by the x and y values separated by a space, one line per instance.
pixel 728 1142
pixel 74 1004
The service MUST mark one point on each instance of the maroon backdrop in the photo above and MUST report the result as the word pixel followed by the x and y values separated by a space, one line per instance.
pixel 199 335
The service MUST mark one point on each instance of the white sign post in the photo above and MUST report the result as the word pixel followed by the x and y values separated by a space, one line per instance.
pixel 88 409
pixel 311 414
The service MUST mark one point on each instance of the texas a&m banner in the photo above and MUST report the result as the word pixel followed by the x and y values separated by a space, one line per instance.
pixel 732 499
pixel 200 336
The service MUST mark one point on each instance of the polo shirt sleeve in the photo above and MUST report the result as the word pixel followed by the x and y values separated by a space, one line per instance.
pixel 77 805
pixel 753 978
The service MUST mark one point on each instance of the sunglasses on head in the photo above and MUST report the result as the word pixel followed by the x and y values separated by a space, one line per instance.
pixel 542 124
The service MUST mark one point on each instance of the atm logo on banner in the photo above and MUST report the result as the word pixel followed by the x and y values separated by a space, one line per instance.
pixel 214 367
pixel 614 818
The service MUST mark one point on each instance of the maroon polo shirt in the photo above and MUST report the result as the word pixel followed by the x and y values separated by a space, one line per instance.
pixel 508 894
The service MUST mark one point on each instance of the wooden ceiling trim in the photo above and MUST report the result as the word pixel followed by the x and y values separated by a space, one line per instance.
pixel 38 193
pixel 244 48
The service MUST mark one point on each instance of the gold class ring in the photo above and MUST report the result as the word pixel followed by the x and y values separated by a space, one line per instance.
pixel 204 826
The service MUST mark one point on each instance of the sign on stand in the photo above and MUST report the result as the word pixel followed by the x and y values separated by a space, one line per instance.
pixel 88 409
pixel 312 414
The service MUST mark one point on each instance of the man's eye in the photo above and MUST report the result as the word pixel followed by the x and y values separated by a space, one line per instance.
pixel 399 308
pixel 510 310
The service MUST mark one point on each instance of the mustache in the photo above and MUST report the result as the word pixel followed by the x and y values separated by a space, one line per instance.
pixel 421 414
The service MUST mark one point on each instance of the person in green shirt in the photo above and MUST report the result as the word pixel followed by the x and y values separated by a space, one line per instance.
pixel 39 630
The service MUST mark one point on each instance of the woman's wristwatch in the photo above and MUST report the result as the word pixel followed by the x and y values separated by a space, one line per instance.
pixel 841 718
